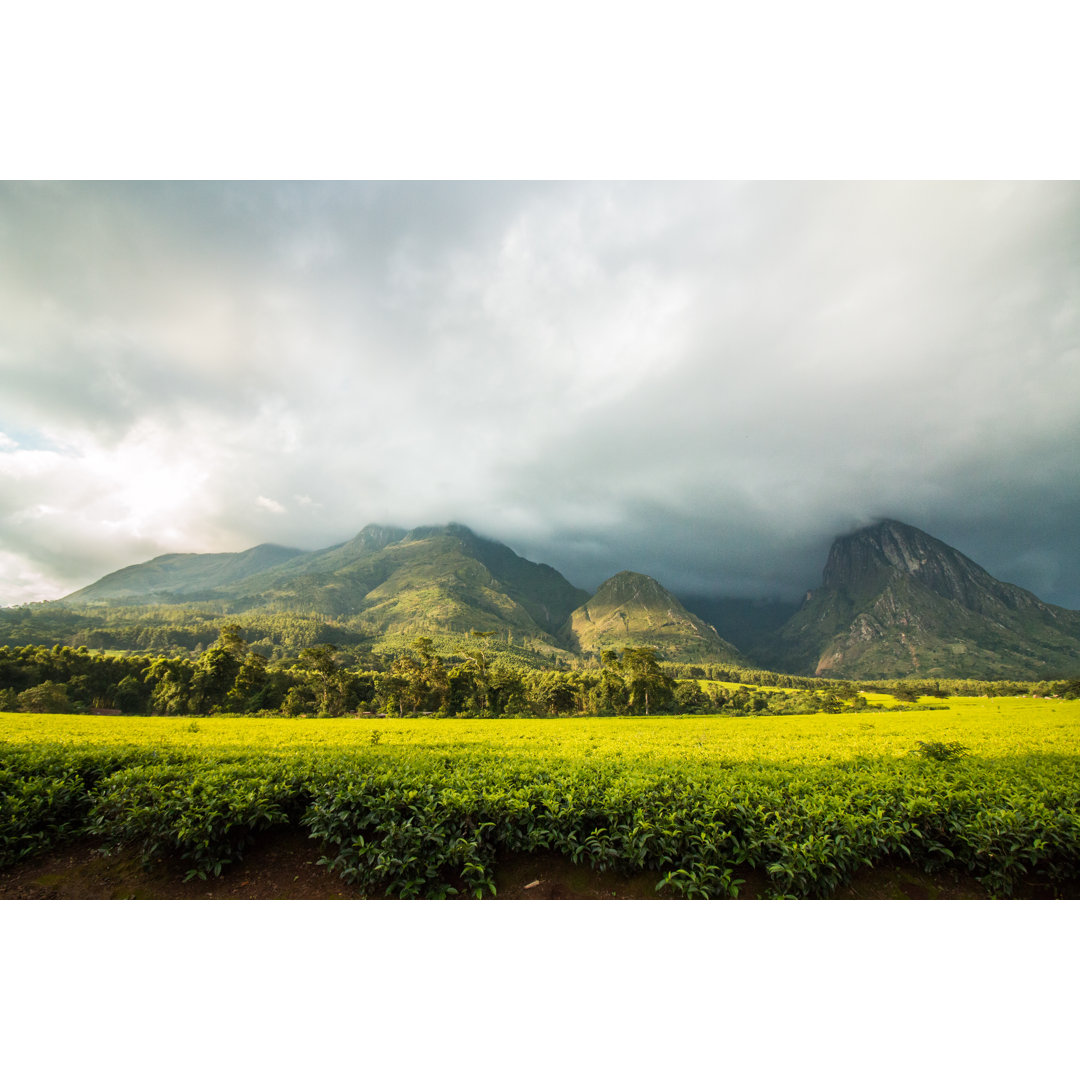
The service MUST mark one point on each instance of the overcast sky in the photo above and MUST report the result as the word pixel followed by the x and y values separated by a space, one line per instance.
pixel 704 382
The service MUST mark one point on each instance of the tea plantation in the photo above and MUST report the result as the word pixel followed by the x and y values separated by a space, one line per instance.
pixel 426 806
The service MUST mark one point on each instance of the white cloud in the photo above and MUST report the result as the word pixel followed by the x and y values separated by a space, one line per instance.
pixel 701 381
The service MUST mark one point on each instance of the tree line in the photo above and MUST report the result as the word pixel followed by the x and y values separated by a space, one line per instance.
pixel 233 677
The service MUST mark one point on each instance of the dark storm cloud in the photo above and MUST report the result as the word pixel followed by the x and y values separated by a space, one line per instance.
pixel 705 382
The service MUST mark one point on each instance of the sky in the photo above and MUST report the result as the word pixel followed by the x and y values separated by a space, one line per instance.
pixel 701 381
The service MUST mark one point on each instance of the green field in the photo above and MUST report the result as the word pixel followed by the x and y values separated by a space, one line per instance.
pixel 427 806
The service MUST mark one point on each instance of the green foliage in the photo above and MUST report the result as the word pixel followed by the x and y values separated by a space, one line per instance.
pixel 470 674
pixel 940 751
pixel 45 795
pixel 37 811
pixel 427 808
pixel 46 697
pixel 199 810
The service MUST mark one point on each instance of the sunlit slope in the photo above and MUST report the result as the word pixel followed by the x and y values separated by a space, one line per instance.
pixel 636 611
pixel 171 578
pixel 430 580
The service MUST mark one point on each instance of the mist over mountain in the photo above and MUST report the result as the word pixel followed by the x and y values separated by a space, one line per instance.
pixel 748 624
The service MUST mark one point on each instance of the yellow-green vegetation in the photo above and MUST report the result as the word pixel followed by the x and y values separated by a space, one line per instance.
pixel 426 806
pixel 989 727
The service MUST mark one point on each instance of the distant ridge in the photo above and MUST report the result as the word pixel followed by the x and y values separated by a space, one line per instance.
pixel 186 576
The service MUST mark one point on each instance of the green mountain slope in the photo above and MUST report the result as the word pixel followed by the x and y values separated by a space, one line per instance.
pixel 434 579
pixel 183 577
pixel 332 582
pixel 896 602
pixel 634 610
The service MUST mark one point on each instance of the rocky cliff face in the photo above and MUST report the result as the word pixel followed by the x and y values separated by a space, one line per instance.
pixel 871 555
pixel 895 601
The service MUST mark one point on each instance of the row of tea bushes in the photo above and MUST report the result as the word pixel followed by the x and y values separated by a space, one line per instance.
pixel 429 822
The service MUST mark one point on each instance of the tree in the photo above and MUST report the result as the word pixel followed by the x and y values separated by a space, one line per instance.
pixel 479 655
pixel 231 639
pixel 171 681
pixel 689 696
pixel 319 659
pixel 478 658
pixel 131 695
pixel 215 675
pixel 248 688
pixel 609 695
pixel 46 697
pixel 506 690
pixel 425 647
pixel 644 679
pixel 554 693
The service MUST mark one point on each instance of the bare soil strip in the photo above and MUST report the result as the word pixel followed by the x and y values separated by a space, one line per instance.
pixel 285 866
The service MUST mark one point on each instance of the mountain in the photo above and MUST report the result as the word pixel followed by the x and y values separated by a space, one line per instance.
pixel 383 581
pixel 632 609
pixel 897 602
pixel 894 602
pixel 169 578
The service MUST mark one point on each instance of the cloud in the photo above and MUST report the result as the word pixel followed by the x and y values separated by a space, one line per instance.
pixel 705 382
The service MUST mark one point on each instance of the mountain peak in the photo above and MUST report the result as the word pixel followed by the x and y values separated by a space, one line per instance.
pixel 632 609
pixel 453 528
pixel 861 561
pixel 896 601
pixel 376 537
pixel 628 586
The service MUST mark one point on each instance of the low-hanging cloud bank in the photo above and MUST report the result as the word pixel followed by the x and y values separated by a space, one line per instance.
pixel 704 382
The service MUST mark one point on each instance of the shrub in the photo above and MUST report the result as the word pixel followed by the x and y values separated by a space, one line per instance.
pixel 940 751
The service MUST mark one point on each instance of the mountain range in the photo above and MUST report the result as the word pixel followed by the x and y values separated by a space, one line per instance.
pixel 894 602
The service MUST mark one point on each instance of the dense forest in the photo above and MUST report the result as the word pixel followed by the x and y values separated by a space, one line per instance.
pixel 482 677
